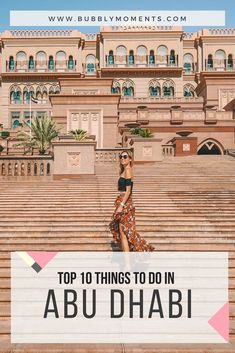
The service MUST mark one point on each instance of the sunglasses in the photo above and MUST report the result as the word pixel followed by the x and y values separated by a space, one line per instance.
pixel 125 156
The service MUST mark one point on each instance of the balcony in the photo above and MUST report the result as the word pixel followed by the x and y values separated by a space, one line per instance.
pixel 190 68
pixel 219 65
pixel 41 66
pixel 90 69
pixel 141 61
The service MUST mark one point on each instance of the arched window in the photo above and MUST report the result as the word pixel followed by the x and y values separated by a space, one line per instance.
pixel 188 91
pixel 131 58
pixel 151 57
pixel 188 63
pixel 51 63
pixel 210 146
pixel 28 92
pixel 128 91
pixel 21 56
pixel 11 64
pixel 60 60
pixel 121 55
pixel 110 58
pixel 15 95
pixel 162 50
pixel 41 92
pixel 15 124
pixel 31 63
pixel 60 56
pixel 142 54
pixel 115 89
pixel 141 50
pixel 41 56
pixel 154 89
pixel 220 59
pixel 230 62
pixel 57 89
pixel 172 57
pixel 128 88
pixel 121 50
pixel 168 89
pixel 54 90
pixel 21 60
pixel 26 97
pixel 220 54
pixel 210 62
pixel 41 60
pixel 70 62
pixel 44 94
pixel 90 63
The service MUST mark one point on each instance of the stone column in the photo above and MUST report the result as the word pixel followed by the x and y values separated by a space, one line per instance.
pixel 73 157
pixel 147 149
pixel 185 146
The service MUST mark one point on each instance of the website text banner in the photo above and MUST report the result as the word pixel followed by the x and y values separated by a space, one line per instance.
pixel 117 297
pixel 117 18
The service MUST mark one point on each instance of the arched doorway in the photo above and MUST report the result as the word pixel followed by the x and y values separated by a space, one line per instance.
pixel 210 146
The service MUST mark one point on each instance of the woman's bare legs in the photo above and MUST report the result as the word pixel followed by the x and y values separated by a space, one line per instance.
pixel 124 242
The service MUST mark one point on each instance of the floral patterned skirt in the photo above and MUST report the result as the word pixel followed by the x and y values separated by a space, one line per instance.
pixel 127 219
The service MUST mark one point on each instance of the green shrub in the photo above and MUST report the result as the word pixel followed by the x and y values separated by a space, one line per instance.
pixel 4 134
pixel 141 132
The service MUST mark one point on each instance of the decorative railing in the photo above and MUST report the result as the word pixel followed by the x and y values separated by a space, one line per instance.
pixel 188 35
pixel 222 31
pixel 38 65
pixel 111 155
pixel 141 61
pixel 90 36
pixel 106 155
pixel 161 98
pixel 230 152
pixel 135 28
pixel 26 166
pixel 41 33
pixel 219 65
pixel 190 69
pixel 168 150
pixel 89 68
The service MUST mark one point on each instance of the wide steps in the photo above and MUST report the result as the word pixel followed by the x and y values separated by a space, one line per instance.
pixel 182 204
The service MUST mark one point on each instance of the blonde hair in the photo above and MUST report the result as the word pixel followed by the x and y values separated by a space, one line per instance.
pixel 121 167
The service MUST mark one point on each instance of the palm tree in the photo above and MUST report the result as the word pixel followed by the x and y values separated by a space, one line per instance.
pixel 79 134
pixel 43 132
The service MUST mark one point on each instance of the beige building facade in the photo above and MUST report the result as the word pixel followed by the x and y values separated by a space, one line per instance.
pixel 160 78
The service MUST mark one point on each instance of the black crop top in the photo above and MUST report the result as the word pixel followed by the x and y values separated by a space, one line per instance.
pixel 123 182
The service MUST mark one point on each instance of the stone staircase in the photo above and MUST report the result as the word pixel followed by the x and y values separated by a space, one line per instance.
pixel 182 204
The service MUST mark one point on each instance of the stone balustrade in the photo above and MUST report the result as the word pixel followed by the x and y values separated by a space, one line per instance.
pixel 26 166
pixel 108 155
pixel 168 150
pixel 43 166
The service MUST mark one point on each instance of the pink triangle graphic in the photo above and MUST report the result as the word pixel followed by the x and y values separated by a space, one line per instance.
pixel 220 321
pixel 42 257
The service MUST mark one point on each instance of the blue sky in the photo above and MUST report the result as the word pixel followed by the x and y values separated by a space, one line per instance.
pixel 6 6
